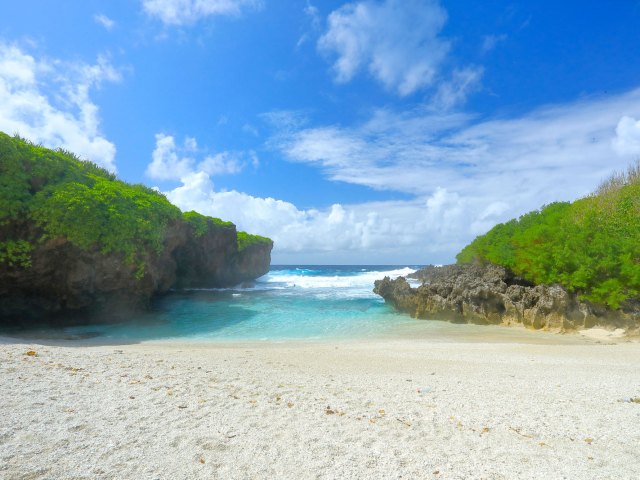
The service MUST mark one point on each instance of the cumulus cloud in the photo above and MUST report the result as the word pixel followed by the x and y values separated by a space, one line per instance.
pixel 105 21
pixel 397 41
pixel 465 174
pixel 170 161
pixel 222 163
pixel 48 101
pixel 340 233
pixel 185 12
pixel 627 140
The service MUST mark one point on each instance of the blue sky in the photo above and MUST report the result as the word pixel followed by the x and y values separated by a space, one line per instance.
pixel 349 132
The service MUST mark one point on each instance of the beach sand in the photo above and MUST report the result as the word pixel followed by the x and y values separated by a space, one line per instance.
pixel 521 405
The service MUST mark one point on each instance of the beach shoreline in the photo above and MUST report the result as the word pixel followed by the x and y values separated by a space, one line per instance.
pixel 373 408
pixel 408 330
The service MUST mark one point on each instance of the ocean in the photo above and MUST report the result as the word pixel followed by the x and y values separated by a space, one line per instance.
pixel 289 303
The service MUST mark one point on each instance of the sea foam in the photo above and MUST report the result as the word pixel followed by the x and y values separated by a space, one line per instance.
pixel 327 281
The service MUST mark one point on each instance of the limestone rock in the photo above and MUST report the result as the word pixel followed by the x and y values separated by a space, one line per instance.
pixel 490 294
pixel 66 284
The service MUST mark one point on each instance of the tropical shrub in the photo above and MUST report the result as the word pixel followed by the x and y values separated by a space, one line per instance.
pixel 590 246
pixel 64 196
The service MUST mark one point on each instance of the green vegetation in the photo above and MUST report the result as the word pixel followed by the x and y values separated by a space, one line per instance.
pixel 590 246
pixel 202 224
pixel 15 253
pixel 245 240
pixel 52 193
pixel 108 214
pixel 68 197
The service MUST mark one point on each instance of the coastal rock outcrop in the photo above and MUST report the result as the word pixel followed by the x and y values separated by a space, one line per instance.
pixel 66 283
pixel 79 245
pixel 490 294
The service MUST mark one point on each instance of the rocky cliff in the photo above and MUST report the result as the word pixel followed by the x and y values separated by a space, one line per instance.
pixel 77 244
pixel 66 283
pixel 489 294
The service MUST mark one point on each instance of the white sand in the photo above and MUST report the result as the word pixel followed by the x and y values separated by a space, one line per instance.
pixel 508 410
pixel 603 334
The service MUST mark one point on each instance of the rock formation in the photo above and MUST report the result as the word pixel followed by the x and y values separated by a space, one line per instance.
pixel 77 244
pixel 66 283
pixel 489 294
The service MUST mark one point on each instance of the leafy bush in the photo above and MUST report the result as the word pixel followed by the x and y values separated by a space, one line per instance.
pixel 108 214
pixel 67 197
pixel 202 224
pixel 590 246
pixel 245 240
pixel 16 253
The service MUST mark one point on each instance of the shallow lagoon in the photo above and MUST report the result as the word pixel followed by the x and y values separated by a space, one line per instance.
pixel 289 304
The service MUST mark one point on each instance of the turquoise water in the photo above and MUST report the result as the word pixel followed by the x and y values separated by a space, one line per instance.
pixel 290 302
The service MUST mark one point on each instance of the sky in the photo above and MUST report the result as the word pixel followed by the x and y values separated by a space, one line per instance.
pixel 365 132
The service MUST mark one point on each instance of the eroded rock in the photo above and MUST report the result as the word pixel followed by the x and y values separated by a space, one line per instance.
pixel 490 294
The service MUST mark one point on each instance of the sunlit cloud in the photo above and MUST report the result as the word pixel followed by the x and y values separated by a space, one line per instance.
pixel 397 42
pixel 49 101
pixel 171 161
pixel 627 140
pixel 455 91
pixel 423 229
pixel 465 174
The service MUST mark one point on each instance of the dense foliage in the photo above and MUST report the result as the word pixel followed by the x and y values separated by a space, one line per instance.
pixel 590 246
pixel 245 240
pixel 202 224
pixel 67 197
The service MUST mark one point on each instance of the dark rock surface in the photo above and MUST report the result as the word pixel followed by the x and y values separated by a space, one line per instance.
pixel 489 294
pixel 66 284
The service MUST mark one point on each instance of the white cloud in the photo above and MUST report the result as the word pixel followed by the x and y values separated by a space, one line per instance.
pixel 396 41
pixel 173 162
pixel 465 175
pixel 552 152
pixel 105 21
pixel 455 91
pixel 48 101
pixel 221 164
pixel 340 233
pixel 168 163
pixel 184 12
pixel 627 140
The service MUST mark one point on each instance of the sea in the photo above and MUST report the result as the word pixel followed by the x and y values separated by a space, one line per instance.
pixel 291 302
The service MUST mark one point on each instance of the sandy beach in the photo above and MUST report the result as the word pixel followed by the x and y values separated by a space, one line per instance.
pixel 529 405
